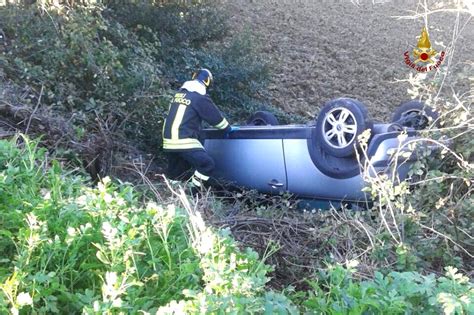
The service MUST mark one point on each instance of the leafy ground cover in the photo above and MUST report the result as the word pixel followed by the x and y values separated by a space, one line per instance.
pixel 71 248
pixel 68 248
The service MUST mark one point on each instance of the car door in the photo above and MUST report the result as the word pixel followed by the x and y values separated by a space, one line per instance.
pixel 306 180
pixel 248 161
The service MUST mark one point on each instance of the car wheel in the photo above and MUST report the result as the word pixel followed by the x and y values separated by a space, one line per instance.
pixel 329 165
pixel 414 114
pixel 262 118
pixel 339 124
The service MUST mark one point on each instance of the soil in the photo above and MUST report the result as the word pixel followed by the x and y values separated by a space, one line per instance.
pixel 321 50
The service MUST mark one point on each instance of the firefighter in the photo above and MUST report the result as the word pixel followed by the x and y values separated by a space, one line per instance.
pixel 191 105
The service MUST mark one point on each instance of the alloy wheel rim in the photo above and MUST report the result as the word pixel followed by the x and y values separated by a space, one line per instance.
pixel 339 128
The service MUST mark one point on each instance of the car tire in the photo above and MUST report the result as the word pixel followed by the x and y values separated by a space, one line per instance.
pixel 338 125
pixel 262 118
pixel 414 114
pixel 331 166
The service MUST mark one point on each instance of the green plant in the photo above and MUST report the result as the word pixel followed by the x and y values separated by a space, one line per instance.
pixel 194 35
pixel 336 292
pixel 88 66
pixel 424 222
pixel 69 248
pixel 110 68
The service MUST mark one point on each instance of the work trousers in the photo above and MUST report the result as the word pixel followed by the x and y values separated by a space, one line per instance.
pixel 181 164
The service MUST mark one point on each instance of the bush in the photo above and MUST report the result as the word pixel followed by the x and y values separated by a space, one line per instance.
pixel 90 67
pixel 68 248
pixel 426 223
pixel 444 192
pixel 335 292
pixel 111 68
pixel 194 35
pixel 178 24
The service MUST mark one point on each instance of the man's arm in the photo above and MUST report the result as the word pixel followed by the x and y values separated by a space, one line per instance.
pixel 211 114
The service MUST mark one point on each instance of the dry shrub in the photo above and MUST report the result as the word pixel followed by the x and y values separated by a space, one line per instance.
pixel 100 151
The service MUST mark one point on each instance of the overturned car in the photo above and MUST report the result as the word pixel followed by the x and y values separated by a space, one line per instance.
pixel 319 160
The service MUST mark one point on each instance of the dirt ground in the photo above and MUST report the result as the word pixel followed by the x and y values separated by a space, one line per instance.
pixel 323 49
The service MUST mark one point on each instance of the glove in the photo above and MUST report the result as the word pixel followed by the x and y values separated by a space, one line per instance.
pixel 231 130
pixel 234 129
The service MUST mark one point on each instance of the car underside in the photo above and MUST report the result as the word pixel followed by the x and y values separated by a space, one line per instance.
pixel 295 159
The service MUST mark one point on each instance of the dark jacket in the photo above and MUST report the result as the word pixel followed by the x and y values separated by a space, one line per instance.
pixel 183 123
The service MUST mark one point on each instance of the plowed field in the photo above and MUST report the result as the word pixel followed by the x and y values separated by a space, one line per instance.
pixel 327 49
